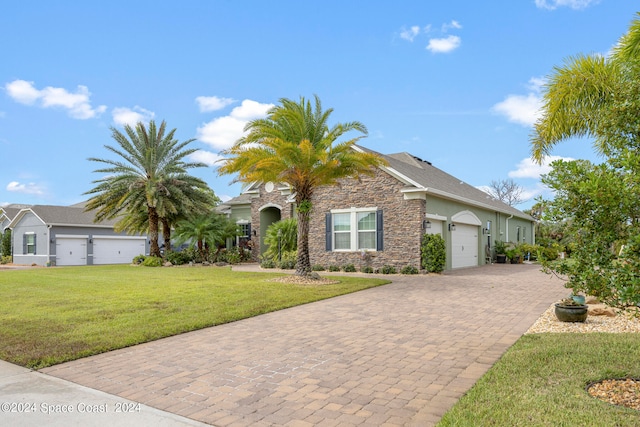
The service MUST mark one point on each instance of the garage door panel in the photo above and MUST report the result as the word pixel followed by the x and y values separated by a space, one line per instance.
pixel 116 250
pixel 71 251
pixel 464 246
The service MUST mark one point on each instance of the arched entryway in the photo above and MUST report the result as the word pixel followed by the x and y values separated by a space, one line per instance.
pixel 268 215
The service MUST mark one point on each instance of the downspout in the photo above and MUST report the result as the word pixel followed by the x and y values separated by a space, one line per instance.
pixel 48 262
pixel 507 226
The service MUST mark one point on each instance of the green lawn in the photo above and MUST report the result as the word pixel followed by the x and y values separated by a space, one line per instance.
pixel 541 381
pixel 52 315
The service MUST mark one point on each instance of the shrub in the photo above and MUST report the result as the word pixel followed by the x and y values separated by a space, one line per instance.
pixel 349 268
pixel 317 267
pixel 367 269
pixel 138 259
pixel 152 261
pixel 233 256
pixel 178 258
pixel 6 259
pixel 268 263
pixel 388 269
pixel 433 253
pixel 5 244
pixel 409 269
pixel 288 229
pixel 288 261
pixel 334 268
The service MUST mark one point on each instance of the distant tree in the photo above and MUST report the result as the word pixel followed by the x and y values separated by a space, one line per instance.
pixel 150 176
pixel 507 191
pixel 295 145
pixel 5 247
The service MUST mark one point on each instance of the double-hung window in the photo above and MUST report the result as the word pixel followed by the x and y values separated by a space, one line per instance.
pixel 354 229
pixel 30 243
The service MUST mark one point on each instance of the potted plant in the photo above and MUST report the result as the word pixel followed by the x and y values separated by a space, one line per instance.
pixel 570 310
pixel 500 249
pixel 514 255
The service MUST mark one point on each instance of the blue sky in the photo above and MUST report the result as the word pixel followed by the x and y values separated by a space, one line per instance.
pixel 456 83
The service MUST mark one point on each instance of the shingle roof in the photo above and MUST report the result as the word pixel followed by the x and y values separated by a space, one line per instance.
pixel 419 175
pixel 67 215
pixel 423 174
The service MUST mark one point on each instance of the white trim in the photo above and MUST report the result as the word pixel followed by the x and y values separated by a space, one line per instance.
pixel 269 205
pixel 243 222
pixel 71 236
pixel 466 217
pixel 436 217
pixel 119 237
pixel 352 209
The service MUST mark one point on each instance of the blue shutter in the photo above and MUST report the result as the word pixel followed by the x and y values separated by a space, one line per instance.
pixel 24 244
pixel 35 250
pixel 327 221
pixel 249 232
pixel 379 230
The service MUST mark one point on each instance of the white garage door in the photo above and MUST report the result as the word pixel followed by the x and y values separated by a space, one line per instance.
pixel 117 250
pixel 71 250
pixel 464 246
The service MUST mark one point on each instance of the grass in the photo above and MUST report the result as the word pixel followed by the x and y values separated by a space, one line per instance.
pixel 53 315
pixel 541 380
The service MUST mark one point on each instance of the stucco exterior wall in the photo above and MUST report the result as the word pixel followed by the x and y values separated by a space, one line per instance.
pixel 30 224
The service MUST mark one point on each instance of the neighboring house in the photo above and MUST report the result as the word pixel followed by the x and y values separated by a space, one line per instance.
pixel 6 215
pixel 67 235
pixel 382 218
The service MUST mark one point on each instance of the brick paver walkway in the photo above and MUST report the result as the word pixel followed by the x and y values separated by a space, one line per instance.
pixel 396 355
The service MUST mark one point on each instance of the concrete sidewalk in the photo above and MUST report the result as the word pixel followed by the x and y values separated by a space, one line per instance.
pixel 397 355
pixel 29 399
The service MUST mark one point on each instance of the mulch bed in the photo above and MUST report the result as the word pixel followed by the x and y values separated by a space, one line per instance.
pixel 622 392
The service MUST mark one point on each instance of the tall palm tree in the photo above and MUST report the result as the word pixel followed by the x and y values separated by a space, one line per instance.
pixel 150 176
pixel 579 93
pixel 295 145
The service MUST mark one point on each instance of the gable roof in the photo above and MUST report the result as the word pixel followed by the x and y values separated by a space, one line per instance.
pixel 419 176
pixel 74 216
pixel 422 177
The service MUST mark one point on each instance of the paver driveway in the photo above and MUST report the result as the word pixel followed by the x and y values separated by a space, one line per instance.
pixel 400 354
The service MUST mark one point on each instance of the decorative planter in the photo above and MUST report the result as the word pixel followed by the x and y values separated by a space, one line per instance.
pixel 501 259
pixel 571 313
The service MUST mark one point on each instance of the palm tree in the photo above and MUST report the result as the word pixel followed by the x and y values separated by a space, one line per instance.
pixel 205 230
pixel 148 182
pixel 295 145
pixel 579 94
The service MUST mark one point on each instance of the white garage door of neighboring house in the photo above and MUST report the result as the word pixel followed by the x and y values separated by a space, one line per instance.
pixel 464 246
pixel 117 249
pixel 71 250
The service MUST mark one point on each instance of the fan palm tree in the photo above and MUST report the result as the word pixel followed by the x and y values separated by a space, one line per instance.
pixel 295 145
pixel 150 176
pixel 579 94
pixel 205 230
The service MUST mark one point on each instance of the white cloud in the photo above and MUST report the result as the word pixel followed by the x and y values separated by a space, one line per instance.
pixel 77 104
pixel 222 132
pixel 410 34
pixel 213 103
pixel 453 24
pixel 444 45
pixel 206 157
pixel 573 4
pixel 30 188
pixel 527 168
pixel 131 116
pixel 520 109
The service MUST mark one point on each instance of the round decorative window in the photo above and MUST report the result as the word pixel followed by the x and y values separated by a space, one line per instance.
pixel 269 187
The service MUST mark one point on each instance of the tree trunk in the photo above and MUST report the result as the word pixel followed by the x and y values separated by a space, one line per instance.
pixel 154 249
pixel 166 234
pixel 303 265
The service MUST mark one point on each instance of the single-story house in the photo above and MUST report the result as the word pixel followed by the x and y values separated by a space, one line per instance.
pixel 67 235
pixel 382 218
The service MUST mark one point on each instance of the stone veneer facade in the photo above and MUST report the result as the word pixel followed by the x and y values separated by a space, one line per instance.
pixel 402 220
